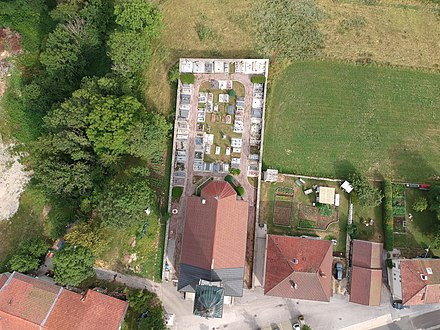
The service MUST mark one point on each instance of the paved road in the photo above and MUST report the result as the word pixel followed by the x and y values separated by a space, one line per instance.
pixel 428 321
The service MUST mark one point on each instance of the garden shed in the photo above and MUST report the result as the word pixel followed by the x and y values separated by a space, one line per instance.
pixel 325 195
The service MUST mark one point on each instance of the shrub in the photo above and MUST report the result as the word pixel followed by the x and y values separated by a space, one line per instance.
pixel 173 73
pixel 177 192
pixel 352 230
pixel 434 200
pixel 258 79
pixel 235 171
pixel 240 190
pixel 389 263
pixel 367 194
pixel 420 205
pixel 325 210
pixel 306 224
pixel 230 179
pixel 387 209
pixel 187 78
pixel 232 93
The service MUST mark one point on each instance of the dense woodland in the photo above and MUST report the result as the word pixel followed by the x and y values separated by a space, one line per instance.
pixel 77 95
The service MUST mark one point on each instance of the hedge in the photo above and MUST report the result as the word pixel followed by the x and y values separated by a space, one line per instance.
pixel 388 215
pixel 240 190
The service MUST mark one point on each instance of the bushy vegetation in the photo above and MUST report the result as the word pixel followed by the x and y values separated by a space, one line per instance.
pixel 90 137
pixel 388 215
pixel 325 210
pixel 204 32
pixel 240 191
pixel 367 194
pixel 145 311
pixel 29 255
pixel 434 200
pixel 73 264
pixel 288 29
pixel 420 205
pixel 234 171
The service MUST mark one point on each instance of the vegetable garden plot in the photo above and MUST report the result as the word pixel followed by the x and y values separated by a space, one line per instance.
pixel 283 207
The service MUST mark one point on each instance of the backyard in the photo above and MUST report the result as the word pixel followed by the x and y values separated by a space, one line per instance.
pixel 287 210
pixel 333 118
pixel 419 230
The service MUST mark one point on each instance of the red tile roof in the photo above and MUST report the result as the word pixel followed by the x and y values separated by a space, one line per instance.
pixel 298 268
pixel 3 279
pixel 367 254
pixel 215 228
pixel 415 290
pixel 96 311
pixel 29 303
pixel 366 286
pixel 27 298
pixel 366 277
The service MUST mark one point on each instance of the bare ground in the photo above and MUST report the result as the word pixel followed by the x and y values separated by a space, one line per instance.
pixel 13 179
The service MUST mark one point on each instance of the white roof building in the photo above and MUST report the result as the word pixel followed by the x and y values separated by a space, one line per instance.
pixel 271 175
pixel 326 195
pixel 347 187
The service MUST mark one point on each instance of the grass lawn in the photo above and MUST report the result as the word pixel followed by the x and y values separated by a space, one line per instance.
pixel 337 230
pixel 328 118
pixel 420 229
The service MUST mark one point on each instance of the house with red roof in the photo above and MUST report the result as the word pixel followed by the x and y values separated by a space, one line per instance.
pixel 416 281
pixel 213 248
pixel 27 303
pixel 298 268
pixel 366 273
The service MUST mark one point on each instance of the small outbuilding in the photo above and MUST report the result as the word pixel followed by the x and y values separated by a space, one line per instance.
pixel 347 187
pixel 270 175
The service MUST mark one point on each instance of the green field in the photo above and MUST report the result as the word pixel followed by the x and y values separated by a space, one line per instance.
pixel 328 118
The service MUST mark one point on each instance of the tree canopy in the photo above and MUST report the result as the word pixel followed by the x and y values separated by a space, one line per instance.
pixel 434 200
pixel 73 264
pixel 124 204
pixel 367 194
pixel 28 255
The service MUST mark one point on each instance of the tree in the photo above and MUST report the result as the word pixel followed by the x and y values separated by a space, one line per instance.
pixel 73 264
pixel 130 53
pixel 85 235
pixel 368 195
pixel 64 164
pixel 140 16
pixel 124 203
pixel 420 204
pixel 28 255
pixel 434 200
pixel 143 302
pixel 109 121
pixel 148 139
pixel 240 191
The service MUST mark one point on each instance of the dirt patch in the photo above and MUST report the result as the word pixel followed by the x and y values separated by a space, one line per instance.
pixel 311 213
pixel 9 46
pixel 13 179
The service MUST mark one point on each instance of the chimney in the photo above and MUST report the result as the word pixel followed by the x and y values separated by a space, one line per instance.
pixel 293 285
pixel 203 201
pixel 423 277
pixel 322 274
pixel 295 261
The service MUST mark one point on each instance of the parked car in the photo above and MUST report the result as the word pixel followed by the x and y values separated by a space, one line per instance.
pixel 338 271
pixel 398 305
pixel 296 326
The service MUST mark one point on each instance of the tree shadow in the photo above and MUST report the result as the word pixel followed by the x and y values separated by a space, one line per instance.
pixel 410 165
pixel 343 168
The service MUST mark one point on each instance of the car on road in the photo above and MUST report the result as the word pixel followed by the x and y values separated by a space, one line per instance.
pixel 338 271
pixel 398 305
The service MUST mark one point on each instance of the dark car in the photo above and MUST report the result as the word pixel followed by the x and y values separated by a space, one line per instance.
pixel 338 271
pixel 398 305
